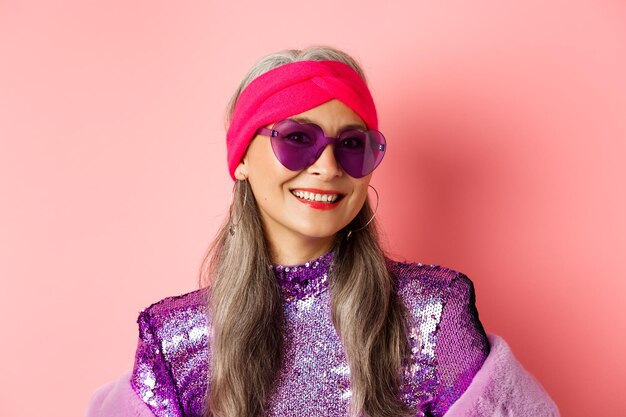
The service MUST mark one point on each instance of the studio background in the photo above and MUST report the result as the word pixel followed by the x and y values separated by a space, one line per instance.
pixel 506 127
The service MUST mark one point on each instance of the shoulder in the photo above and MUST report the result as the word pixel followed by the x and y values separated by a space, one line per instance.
pixel 174 320
pixel 435 281
pixel 429 291
pixel 176 304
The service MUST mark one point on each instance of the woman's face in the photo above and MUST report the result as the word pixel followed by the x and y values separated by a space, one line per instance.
pixel 288 216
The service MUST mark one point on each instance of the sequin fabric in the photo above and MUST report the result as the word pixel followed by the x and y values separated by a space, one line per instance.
pixel 448 345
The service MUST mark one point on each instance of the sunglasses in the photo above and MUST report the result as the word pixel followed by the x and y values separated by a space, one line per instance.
pixel 298 145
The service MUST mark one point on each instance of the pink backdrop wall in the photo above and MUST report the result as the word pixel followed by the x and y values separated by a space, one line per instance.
pixel 506 126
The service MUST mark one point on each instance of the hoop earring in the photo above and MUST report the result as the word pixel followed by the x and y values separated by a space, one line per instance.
pixel 372 218
pixel 233 224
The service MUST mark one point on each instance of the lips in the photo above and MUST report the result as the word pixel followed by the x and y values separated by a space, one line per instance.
pixel 318 199
pixel 323 197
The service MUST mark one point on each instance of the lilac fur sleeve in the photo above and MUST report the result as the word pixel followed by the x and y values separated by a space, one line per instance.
pixel 502 387
pixel 117 399
pixel 462 344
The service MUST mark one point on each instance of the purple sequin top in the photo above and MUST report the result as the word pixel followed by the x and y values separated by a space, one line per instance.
pixel 448 344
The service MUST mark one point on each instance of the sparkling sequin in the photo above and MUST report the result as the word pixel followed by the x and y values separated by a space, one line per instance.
pixel 448 345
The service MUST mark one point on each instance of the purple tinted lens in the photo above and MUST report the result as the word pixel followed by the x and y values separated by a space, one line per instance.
pixel 296 144
pixel 358 152
pixel 299 145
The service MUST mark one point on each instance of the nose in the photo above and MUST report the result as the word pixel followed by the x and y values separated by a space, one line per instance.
pixel 326 166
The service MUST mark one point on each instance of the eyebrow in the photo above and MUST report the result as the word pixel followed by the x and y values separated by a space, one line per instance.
pixel 301 119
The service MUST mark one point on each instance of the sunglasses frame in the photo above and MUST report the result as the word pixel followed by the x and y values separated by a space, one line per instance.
pixel 321 141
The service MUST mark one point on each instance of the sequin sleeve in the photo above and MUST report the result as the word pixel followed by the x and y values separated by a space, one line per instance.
pixel 462 345
pixel 152 379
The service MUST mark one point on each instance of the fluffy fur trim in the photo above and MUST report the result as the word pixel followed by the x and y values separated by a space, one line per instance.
pixel 503 388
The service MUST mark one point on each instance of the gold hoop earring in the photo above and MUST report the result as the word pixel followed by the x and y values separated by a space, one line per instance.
pixel 233 224
pixel 372 218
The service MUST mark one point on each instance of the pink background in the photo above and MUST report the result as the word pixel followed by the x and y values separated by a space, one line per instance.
pixel 506 125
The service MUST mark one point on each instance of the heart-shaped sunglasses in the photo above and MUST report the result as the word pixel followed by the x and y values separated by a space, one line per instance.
pixel 298 145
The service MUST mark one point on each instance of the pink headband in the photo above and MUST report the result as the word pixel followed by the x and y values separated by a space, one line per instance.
pixel 291 89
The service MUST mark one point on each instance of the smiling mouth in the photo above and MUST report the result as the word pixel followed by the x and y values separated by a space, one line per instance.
pixel 328 198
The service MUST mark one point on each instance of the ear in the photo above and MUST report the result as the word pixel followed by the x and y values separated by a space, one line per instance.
pixel 241 172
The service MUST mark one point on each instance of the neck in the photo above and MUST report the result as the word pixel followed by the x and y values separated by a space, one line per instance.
pixel 294 251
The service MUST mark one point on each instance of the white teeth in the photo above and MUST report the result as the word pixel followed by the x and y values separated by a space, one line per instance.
pixel 305 195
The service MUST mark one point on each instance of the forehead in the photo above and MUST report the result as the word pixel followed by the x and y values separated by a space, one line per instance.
pixel 331 116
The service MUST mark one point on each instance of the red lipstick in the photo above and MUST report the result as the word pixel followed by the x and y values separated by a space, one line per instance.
pixel 318 205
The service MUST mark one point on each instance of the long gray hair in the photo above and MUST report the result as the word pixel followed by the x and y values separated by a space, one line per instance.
pixel 245 305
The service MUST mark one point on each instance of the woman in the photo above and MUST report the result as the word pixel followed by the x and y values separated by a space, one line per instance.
pixel 299 311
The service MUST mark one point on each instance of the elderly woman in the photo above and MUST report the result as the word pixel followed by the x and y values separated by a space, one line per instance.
pixel 299 311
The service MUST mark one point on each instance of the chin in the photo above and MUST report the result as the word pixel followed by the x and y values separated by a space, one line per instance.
pixel 316 233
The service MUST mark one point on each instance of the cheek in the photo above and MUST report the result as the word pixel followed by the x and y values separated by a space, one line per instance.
pixel 260 161
pixel 361 193
pixel 268 177
pixel 263 167
pixel 362 185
